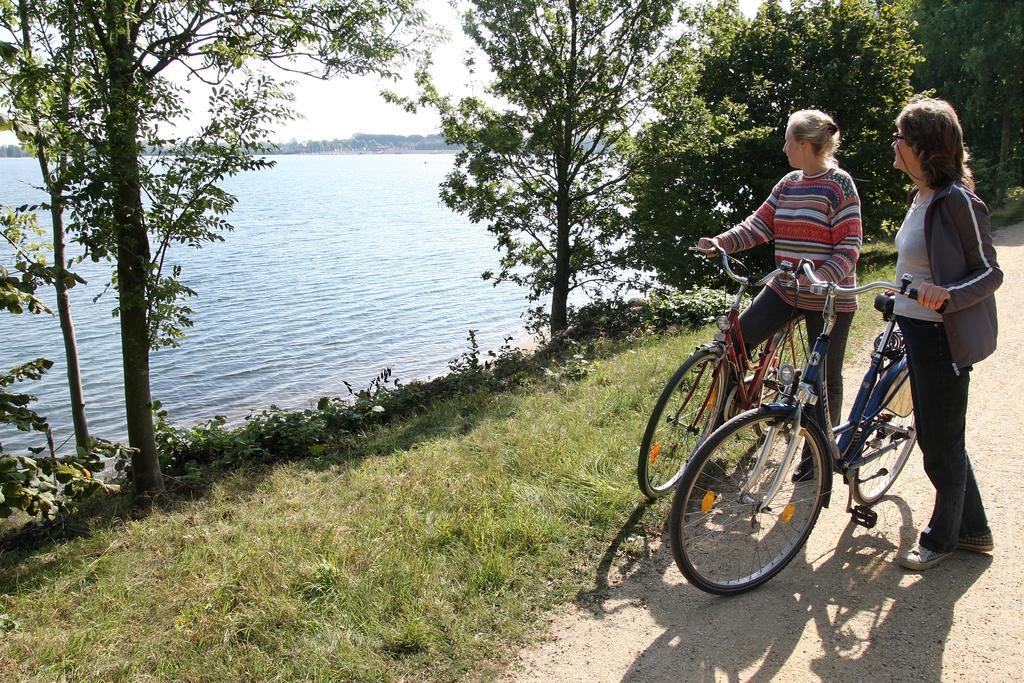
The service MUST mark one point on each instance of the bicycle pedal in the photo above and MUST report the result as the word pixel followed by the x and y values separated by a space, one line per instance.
pixel 864 516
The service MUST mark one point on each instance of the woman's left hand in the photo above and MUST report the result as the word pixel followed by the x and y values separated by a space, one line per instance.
pixel 932 296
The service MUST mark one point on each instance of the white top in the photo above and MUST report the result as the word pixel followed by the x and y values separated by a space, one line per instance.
pixel 912 257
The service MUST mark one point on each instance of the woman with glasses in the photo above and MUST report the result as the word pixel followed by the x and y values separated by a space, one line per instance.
pixel 945 242
pixel 813 213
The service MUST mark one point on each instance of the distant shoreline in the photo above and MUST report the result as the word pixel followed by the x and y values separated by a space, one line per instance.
pixel 399 152
pixel 364 152
pixel 360 143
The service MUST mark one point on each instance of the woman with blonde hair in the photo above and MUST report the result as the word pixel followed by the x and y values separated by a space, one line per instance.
pixel 945 243
pixel 812 214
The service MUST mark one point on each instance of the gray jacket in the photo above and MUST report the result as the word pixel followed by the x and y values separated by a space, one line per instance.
pixel 958 237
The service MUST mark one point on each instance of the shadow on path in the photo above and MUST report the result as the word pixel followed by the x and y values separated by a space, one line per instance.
pixel 868 617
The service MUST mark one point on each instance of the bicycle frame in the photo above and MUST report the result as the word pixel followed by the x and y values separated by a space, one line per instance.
pixel 737 360
pixel 875 387
pixel 809 388
pixel 731 340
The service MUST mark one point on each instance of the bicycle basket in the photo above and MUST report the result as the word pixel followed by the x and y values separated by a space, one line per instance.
pixel 898 398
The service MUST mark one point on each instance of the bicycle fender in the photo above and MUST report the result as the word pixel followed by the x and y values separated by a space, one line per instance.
pixel 831 455
pixel 715 347
pixel 785 412
pixel 885 382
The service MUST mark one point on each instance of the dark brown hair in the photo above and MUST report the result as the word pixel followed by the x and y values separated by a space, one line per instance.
pixel 931 127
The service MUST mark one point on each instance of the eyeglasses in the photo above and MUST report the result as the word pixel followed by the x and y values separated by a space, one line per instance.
pixel 897 136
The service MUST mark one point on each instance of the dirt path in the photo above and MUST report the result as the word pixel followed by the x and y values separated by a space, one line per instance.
pixel 842 610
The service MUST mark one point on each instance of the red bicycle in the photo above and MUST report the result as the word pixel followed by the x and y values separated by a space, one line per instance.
pixel 718 381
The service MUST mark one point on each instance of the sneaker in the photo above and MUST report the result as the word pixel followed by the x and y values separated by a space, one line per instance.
pixel 803 472
pixel 978 543
pixel 920 558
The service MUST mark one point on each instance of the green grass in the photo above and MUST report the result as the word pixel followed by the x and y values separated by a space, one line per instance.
pixel 1012 211
pixel 438 542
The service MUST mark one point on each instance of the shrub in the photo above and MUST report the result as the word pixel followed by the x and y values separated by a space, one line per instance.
pixel 276 434
pixel 662 310
pixel 43 486
pixel 1012 211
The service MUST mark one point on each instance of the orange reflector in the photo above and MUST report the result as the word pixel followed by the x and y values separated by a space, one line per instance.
pixel 655 449
pixel 710 401
pixel 707 502
pixel 787 513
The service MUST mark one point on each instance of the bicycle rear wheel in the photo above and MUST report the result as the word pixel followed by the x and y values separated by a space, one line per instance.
pixel 887 444
pixel 726 538
pixel 688 409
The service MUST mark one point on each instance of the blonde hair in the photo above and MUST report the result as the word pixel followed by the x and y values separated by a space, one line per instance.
pixel 931 127
pixel 817 128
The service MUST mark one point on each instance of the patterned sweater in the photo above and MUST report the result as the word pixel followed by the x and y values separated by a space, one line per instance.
pixel 809 217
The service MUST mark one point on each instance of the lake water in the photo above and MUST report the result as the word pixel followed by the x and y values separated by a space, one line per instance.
pixel 338 267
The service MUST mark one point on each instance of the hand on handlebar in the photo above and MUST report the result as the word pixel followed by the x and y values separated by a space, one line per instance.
pixel 932 296
pixel 708 246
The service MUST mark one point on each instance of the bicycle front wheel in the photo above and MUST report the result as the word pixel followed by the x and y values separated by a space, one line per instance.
pixel 687 411
pixel 728 536
pixel 887 444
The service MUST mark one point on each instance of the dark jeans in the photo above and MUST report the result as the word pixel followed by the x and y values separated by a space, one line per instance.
pixel 940 406
pixel 768 313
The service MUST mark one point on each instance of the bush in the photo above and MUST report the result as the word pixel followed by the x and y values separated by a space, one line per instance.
pixel 275 434
pixel 43 486
pixel 1012 210
pixel 662 310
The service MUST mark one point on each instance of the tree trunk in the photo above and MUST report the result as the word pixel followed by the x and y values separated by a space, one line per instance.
pixel 67 326
pixel 563 248
pixel 1006 135
pixel 133 259
pixel 560 288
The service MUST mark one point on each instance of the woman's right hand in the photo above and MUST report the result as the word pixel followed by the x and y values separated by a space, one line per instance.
pixel 932 296
pixel 706 245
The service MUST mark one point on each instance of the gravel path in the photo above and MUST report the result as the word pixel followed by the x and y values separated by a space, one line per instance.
pixel 842 610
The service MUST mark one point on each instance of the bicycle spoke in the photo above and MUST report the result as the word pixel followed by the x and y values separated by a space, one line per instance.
pixel 684 415
pixel 740 541
pixel 885 445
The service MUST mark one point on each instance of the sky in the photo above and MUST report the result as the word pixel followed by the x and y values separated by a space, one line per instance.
pixel 339 108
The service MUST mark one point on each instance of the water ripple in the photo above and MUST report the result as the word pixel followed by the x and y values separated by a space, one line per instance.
pixel 338 267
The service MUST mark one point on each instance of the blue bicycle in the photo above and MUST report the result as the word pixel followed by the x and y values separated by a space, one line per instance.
pixel 753 490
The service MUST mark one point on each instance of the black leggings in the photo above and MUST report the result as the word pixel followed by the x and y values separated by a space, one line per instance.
pixel 768 313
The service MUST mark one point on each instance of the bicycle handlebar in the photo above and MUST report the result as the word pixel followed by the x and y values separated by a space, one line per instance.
pixel 746 281
pixel 818 286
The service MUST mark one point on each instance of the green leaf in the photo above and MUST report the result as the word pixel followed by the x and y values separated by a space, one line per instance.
pixel 8 52
pixel 8 623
